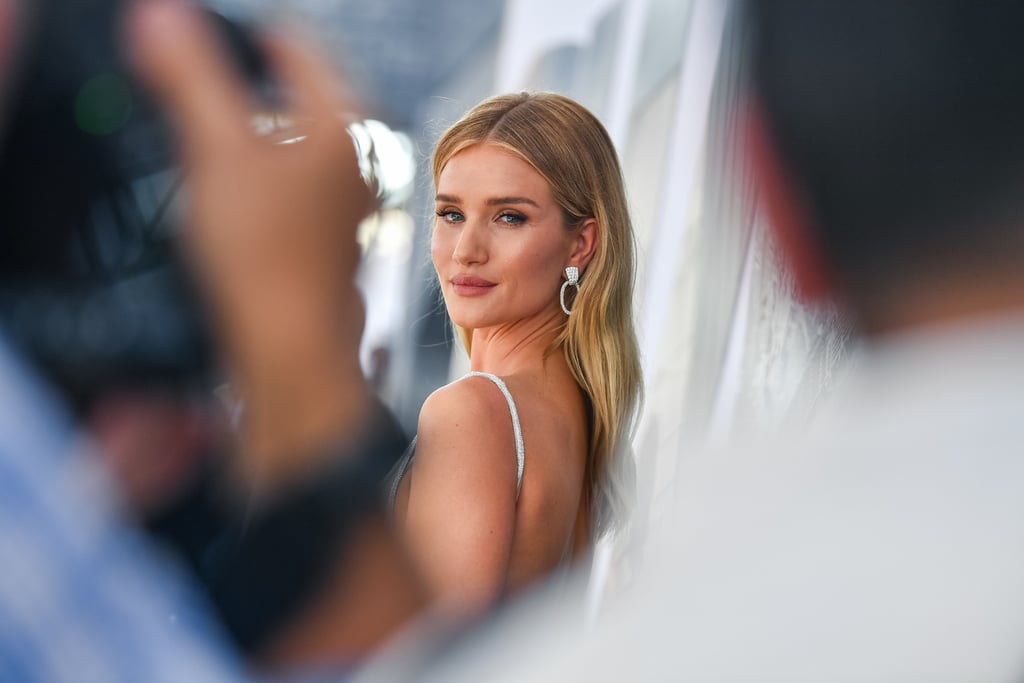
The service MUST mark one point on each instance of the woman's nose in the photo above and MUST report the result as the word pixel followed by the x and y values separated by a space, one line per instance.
pixel 471 245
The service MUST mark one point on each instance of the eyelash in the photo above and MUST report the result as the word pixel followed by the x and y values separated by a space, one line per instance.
pixel 517 218
pixel 510 218
pixel 447 214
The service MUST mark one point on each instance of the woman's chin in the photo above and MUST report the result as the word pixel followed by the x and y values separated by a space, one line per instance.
pixel 464 316
pixel 466 322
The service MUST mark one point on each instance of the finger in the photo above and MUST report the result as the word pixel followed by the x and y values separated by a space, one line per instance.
pixel 316 90
pixel 178 56
pixel 318 96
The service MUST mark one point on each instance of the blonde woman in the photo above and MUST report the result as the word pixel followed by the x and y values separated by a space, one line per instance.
pixel 514 470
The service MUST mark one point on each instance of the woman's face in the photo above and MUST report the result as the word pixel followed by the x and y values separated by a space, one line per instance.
pixel 499 243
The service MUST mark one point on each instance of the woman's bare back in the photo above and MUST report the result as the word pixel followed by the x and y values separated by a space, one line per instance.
pixel 457 505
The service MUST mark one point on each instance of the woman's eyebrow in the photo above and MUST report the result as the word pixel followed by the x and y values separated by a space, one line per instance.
pixel 490 202
pixel 512 200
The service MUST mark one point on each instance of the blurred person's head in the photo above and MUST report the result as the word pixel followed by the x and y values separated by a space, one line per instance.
pixel 559 151
pixel 9 31
pixel 891 142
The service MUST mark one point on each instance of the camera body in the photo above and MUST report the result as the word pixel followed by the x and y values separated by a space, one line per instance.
pixel 92 286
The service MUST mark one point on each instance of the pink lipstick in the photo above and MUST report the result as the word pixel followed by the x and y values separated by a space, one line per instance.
pixel 468 285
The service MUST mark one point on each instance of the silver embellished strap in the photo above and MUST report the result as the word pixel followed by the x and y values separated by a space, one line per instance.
pixel 397 472
pixel 520 453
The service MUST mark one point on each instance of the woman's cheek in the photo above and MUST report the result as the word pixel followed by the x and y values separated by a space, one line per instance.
pixel 438 254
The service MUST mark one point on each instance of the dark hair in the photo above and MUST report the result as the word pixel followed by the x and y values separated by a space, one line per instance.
pixel 902 126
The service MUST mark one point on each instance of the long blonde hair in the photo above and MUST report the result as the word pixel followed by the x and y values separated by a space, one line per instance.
pixel 570 148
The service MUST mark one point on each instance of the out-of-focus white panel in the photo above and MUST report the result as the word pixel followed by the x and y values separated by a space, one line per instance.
pixel 386 238
pixel 686 146
pixel 532 28
pixel 623 79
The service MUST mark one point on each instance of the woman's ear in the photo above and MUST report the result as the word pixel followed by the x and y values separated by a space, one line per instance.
pixel 584 244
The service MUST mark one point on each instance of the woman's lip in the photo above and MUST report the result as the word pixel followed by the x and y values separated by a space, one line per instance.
pixel 471 281
pixel 471 286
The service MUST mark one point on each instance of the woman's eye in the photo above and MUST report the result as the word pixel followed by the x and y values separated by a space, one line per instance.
pixel 450 216
pixel 512 218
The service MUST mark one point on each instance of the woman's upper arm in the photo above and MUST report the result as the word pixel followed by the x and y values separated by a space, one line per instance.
pixel 462 496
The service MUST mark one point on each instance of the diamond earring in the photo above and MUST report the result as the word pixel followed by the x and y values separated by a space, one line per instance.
pixel 572 275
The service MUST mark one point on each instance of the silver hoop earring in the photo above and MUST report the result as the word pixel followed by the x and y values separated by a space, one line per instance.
pixel 572 275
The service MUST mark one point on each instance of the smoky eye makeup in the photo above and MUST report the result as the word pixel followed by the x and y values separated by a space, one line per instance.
pixel 511 218
pixel 449 215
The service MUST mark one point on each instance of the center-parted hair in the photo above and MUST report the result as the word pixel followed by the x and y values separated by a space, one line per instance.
pixel 571 149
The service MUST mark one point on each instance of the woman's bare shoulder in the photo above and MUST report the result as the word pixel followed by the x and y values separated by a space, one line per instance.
pixel 473 395
pixel 467 419
pixel 462 492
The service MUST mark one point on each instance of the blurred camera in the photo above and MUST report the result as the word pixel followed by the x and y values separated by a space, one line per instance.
pixel 91 285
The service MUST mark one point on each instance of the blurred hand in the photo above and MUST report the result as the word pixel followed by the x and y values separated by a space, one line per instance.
pixel 271 233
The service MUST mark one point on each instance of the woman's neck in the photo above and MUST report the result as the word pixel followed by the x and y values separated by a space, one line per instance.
pixel 508 349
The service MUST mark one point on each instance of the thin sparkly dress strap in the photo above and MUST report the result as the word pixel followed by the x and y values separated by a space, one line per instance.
pixel 394 478
pixel 518 430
